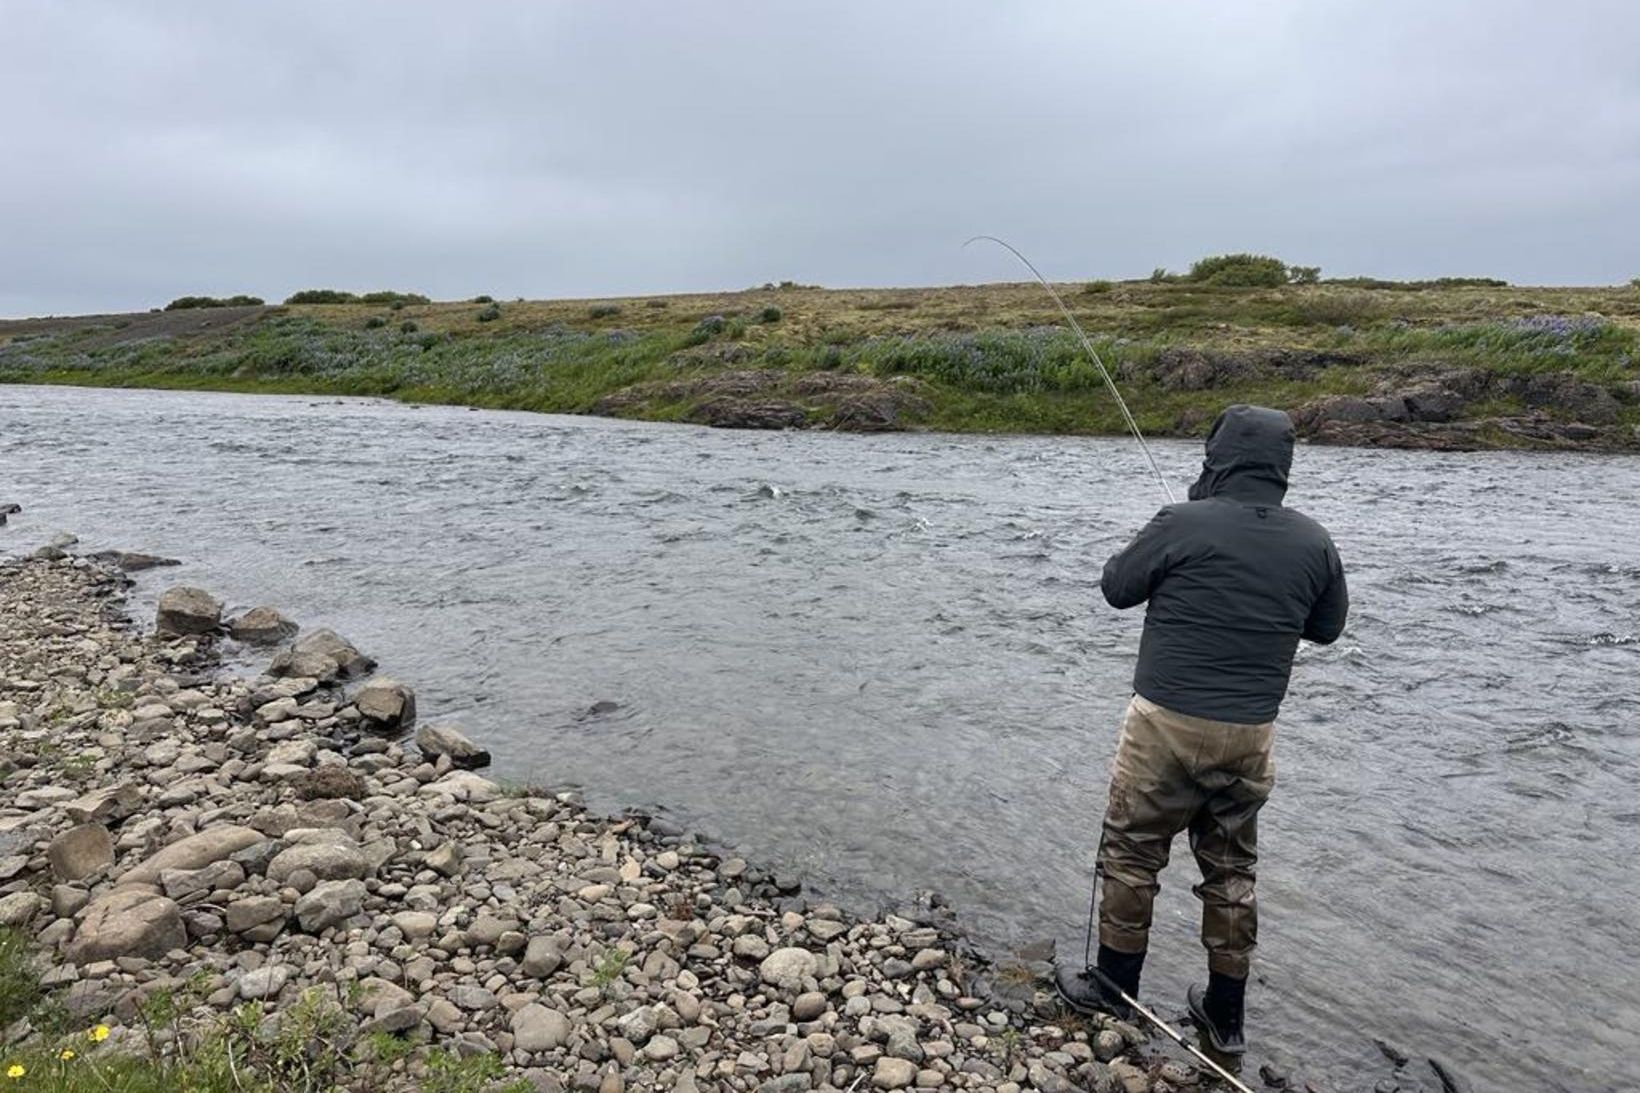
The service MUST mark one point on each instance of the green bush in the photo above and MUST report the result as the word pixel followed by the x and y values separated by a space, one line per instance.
pixel 1239 271
pixel 395 300
pixel 771 315
pixel 1634 282
pixel 183 303
pixel 1304 275
pixel 322 296
pixel 483 299
pixel 1100 287
pixel 375 322
pixel 1161 276
pixel 490 314
pixel 656 303
pixel 408 327
pixel 603 311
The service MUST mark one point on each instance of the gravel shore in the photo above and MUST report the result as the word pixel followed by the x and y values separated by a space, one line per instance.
pixel 165 826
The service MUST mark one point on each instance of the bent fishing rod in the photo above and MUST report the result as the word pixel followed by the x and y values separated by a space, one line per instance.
pixel 1133 427
pixel 1098 362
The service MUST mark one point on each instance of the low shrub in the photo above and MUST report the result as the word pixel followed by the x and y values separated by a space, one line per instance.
pixel 771 315
pixel 183 303
pixel 603 311
pixel 322 296
pixel 483 299
pixel 394 300
pixel 1304 275
pixel 408 327
pixel 1098 288
pixel 1239 271
pixel 656 303
pixel 375 322
pixel 490 314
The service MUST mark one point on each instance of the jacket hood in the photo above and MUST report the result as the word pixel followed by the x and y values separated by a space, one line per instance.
pixel 1249 453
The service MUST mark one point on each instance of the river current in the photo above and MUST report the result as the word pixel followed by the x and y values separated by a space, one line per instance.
pixel 883 663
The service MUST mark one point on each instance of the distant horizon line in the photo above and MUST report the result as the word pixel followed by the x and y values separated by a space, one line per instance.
pixel 1347 281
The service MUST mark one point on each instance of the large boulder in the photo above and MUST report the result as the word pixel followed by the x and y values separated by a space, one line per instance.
pixel 789 966
pixel 330 903
pixel 184 610
pixel 300 664
pixel 437 740
pixel 109 804
pixel 194 852
pixel 386 706
pixel 19 907
pixel 327 861
pixel 349 661
pixel 262 626
pixel 80 851
pixel 537 1028
pixel 128 922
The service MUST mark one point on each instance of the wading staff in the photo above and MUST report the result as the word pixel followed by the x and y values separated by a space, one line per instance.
pixel 1133 427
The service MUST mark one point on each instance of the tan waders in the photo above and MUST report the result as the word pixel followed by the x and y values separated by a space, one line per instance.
pixel 1174 773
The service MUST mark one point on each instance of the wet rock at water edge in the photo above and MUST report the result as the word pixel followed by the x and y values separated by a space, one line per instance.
pixel 185 611
pixel 132 561
pixel 437 740
pixel 386 706
pixel 348 660
pixel 262 626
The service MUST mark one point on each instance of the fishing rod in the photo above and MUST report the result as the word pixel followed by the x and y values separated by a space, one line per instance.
pixel 1087 344
pixel 1133 427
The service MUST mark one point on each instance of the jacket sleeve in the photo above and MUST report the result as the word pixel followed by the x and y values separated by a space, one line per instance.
pixel 1327 614
pixel 1133 574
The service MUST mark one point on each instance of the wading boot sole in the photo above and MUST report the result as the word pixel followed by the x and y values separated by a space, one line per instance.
pixel 1223 1043
pixel 1089 992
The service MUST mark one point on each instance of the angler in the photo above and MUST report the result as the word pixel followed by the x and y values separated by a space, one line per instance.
pixel 1233 580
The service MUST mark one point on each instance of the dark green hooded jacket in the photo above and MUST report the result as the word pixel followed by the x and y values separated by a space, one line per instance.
pixel 1233 579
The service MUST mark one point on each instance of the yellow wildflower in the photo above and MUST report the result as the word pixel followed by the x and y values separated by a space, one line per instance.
pixel 98 1034
pixel 16 1070
pixel 66 1054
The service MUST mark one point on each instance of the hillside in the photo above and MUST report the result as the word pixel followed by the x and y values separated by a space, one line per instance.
pixel 1436 365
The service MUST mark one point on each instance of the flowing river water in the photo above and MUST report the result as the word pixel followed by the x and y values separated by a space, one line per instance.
pixel 883 663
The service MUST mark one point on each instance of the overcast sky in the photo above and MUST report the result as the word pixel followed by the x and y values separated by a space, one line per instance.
pixel 545 149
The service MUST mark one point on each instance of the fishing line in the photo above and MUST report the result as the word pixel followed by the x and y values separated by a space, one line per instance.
pixel 1167 489
pixel 1087 344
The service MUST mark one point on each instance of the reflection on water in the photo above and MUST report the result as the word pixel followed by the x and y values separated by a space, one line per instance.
pixel 884 662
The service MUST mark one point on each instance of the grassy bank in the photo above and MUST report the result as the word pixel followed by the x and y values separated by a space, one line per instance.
pixel 983 358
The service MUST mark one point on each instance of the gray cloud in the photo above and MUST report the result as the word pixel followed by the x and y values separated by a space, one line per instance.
pixel 157 149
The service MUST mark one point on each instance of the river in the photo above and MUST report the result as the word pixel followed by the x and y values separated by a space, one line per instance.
pixel 883 662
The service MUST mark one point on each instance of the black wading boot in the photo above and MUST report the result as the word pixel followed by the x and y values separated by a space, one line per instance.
pixel 1096 989
pixel 1218 1012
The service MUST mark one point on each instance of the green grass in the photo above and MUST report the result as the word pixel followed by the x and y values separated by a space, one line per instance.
pixel 312 1046
pixel 988 358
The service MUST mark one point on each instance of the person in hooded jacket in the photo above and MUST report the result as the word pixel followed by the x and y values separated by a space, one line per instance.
pixel 1233 580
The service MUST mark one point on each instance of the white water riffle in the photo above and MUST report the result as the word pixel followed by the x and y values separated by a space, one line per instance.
pixel 882 663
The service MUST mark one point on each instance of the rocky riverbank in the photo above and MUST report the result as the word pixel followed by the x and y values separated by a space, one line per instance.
pixel 294 851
